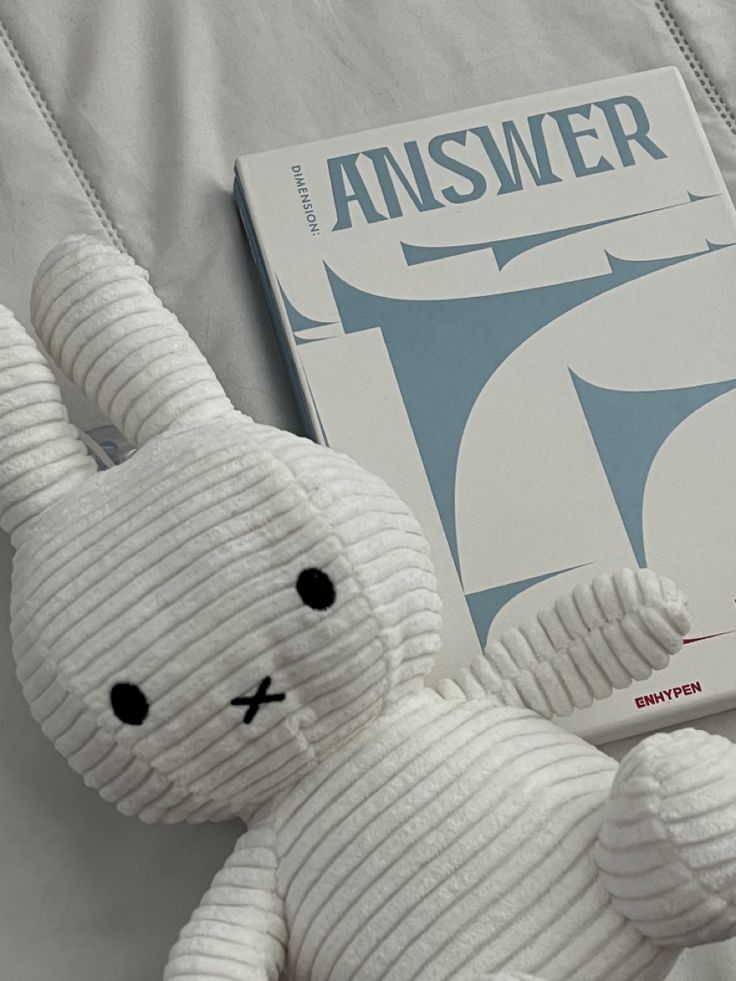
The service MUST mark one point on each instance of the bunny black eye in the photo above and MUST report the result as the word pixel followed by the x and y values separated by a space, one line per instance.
pixel 129 703
pixel 315 588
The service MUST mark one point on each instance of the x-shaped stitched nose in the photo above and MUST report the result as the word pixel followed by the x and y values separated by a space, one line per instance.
pixel 261 697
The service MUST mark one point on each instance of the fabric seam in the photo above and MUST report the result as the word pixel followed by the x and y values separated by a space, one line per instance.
pixel 707 84
pixel 93 199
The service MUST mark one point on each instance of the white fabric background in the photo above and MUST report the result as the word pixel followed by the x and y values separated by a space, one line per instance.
pixel 125 119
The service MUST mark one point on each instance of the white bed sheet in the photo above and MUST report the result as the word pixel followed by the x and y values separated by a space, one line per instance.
pixel 123 119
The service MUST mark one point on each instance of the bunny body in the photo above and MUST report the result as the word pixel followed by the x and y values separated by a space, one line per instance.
pixel 453 839
pixel 237 623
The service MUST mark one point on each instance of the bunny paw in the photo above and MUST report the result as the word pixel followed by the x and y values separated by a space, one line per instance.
pixel 667 848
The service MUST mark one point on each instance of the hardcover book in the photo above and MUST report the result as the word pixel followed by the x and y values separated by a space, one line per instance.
pixel 522 316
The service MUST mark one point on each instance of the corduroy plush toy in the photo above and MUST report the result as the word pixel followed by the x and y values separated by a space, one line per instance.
pixel 237 622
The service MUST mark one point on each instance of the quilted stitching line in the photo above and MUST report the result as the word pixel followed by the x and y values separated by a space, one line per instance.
pixel 696 65
pixel 92 197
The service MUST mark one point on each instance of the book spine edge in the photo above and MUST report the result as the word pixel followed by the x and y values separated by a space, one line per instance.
pixel 305 405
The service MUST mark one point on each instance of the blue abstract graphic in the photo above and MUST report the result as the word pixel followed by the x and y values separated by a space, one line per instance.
pixel 297 320
pixel 628 429
pixel 506 249
pixel 486 603
pixel 462 343
pixel 444 352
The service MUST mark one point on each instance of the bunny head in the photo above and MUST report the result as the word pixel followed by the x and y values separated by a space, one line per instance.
pixel 197 627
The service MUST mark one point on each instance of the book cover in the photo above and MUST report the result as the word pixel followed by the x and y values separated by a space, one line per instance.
pixel 522 316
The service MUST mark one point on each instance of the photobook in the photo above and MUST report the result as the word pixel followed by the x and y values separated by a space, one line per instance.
pixel 522 316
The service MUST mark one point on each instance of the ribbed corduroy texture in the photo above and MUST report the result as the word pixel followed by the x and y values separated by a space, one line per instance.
pixel 177 572
pixel 509 976
pixel 452 841
pixel 41 455
pixel 601 636
pixel 220 941
pixel 101 322
pixel 668 848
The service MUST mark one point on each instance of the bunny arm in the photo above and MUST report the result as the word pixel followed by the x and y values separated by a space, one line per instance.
pixel 238 930
pixel 603 635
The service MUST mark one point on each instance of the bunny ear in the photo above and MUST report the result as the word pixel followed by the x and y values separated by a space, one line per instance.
pixel 100 321
pixel 41 455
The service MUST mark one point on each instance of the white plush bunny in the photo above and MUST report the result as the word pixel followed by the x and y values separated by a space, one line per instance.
pixel 238 622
